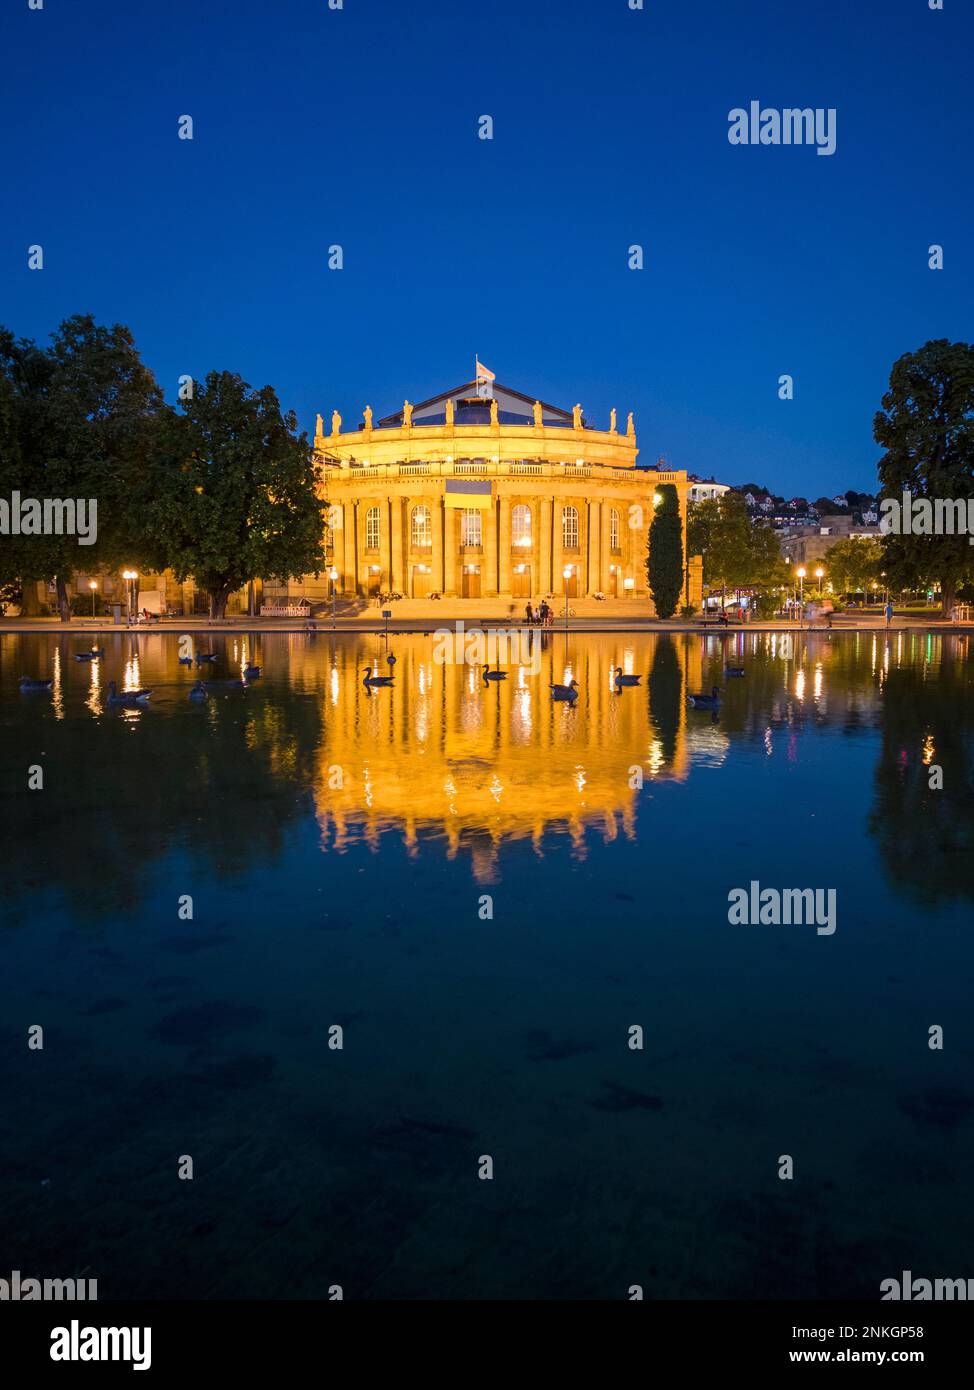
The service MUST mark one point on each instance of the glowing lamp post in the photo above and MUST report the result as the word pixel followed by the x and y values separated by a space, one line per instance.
pixel 801 594
pixel 93 585
pixel 333 576
pixel 130 576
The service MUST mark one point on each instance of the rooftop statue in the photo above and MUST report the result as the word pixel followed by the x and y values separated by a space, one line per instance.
pixel 537 414
pixel 577 417
pixel 630 427
pixel 336 422
pixel 493 412
pixel 407 415
pixel 612 420
pixel 319 425
pixel 368 417
pixel 449 412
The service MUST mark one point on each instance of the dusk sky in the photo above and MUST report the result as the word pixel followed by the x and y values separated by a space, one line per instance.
pixel 359 127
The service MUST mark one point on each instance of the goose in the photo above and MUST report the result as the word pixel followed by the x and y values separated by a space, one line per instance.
pixel 621 680
pixel 199 692
pixel 490 675
pixel 93 655
pixel 205 656
pixel 567 692
pixel 711 701
pixel 185 661
pixel 734 671
pixel 127 697
pixel 376 680
pixel 29 683
pixel 251 672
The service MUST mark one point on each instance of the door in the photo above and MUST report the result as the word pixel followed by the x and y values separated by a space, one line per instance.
pixel 571 583
pixel 521 581
pixel 422 581
pixel 470 582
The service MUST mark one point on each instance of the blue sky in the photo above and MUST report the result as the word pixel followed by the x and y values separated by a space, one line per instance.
pixel 359 127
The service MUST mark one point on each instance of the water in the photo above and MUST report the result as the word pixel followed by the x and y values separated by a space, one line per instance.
pixel 340 849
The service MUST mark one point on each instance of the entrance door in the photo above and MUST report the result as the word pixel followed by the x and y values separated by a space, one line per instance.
pixel 521 581
pixel 374 583
pixel 422 581
pixel 470 582
pixel 571 583
pixel 613 589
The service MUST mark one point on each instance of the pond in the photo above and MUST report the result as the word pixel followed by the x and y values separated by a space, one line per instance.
pixel 340 946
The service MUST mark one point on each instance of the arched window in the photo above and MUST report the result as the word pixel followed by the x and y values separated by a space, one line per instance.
pixel 521 526
pixel 569 528
pixel 421 530
pixel 613 529
pixel 372 532
pixel 471 528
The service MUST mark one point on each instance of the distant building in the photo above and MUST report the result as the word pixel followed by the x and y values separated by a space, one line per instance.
pixel 705 489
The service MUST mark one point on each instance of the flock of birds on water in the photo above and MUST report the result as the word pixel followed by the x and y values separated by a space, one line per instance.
pixel 566 694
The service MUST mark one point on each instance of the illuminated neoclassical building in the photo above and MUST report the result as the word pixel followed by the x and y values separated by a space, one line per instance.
pixel 484 492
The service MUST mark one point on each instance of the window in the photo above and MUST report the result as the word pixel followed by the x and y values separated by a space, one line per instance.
pixel 372 528
pixel 521 526
pixel 569 528
pixel 613 529
pixel 421 530
pixel 471 529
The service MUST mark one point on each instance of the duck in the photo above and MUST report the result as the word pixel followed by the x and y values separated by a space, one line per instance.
pixel 621 680
pixel 391 659
pixel 127 697
pixel 567 692
pixel 199 692
pixel 185 661
pixel 93 655
pixel 490 675
pixel 734 671
pixel 370 679
pixel 251 672
pixel 29 683
pixel 711 701
pixel 205 656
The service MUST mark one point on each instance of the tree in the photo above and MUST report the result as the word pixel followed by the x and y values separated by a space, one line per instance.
pixel 664 563
pixel 737 553
pixel 233 492
pixel 854 563
pixel 76 422
pixel 926 426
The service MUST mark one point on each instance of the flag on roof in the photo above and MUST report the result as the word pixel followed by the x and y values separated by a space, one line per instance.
pixel 483 373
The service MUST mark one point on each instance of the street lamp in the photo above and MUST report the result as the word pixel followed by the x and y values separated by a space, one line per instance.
pixel 567 576
pixel 801 593
pixel 92 585
pixel 333 576
pixel 130 577
pixel 818 575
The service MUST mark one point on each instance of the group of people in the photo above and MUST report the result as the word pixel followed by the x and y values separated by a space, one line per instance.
pixel 543 615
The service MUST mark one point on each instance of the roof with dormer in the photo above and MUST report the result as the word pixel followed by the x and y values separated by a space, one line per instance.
pixel 513 408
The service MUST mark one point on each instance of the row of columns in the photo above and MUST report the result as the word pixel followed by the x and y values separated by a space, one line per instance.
pixel 547 554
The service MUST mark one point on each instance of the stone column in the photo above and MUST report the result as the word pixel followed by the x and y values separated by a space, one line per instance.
pixel 362 564
pixel 504 545
pixel 438 519
pixel 606 557
pixel 449 552
pixel 398 580
pixel 350 576
pixel 558 544
pixel 543 578
pixel 488 568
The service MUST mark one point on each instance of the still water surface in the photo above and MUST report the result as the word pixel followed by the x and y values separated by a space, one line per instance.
pixel 340 846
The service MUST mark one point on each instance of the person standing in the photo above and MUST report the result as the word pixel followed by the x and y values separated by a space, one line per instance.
pixel 889 613
pixel 528 614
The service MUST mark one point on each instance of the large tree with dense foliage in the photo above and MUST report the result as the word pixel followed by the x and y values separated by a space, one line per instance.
pixel 233 492
pixel 737 552
pixel 664 563
pixel 854 563
pixel 926 427
pixel 76 421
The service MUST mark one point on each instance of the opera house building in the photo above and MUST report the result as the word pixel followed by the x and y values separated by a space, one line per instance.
pixel 485 493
